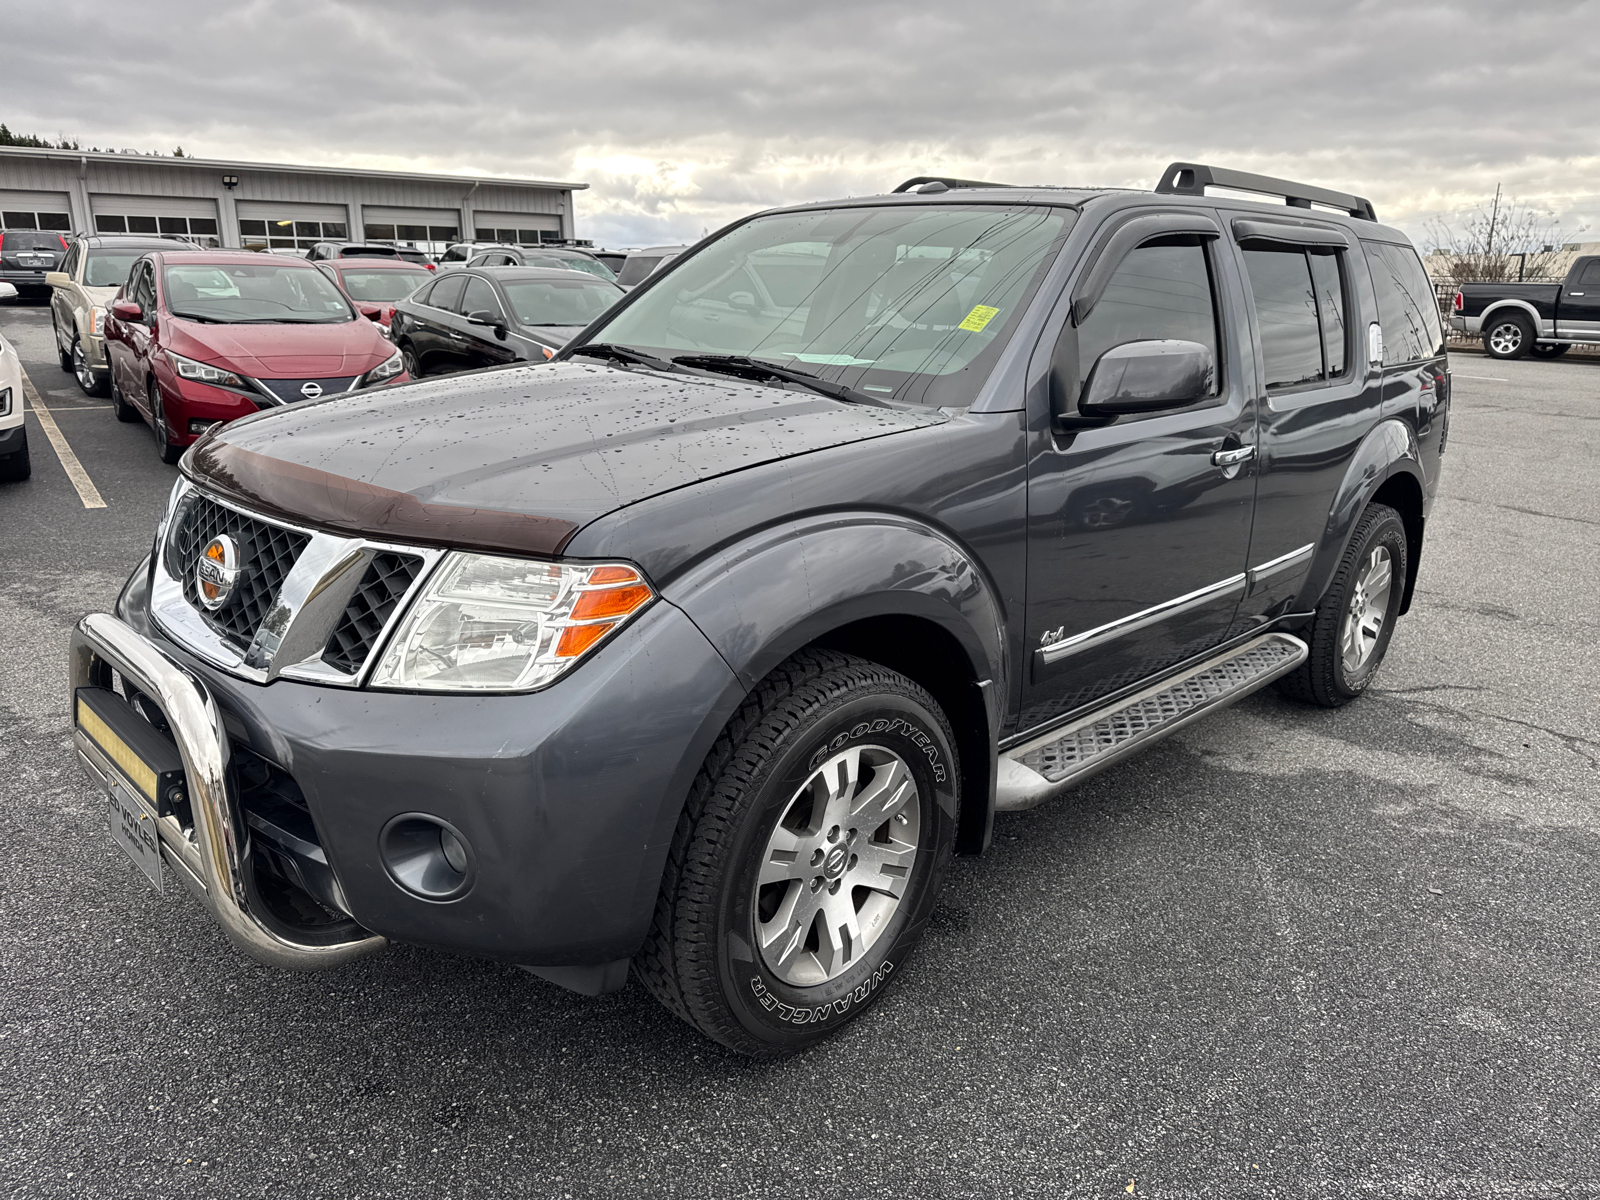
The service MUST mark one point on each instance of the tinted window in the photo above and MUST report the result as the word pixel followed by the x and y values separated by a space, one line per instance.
pixel 637 268
pixel 28 239
pixel 1159 291
pixel 446 293
pixel 1286 315
pixel 70 265
pixel 109 268
pixel 1591 275
pixel 560 302
pixel 480 297
pixel 1407 308
pixel 1329 289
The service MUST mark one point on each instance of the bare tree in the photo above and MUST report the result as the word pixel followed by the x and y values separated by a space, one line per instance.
pixel 1502 240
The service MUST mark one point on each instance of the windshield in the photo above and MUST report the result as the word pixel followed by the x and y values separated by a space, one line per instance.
pixel 572 262
pixel 559 301
pixel 243 293
pixel 636 267
pixel 380 287
pixel 895 302
pixel 109 268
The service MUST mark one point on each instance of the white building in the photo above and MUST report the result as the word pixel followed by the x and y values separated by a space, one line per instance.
pixel 273 205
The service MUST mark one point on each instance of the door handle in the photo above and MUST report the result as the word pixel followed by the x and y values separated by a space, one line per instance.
pixel 1232 458
pixel 1574 293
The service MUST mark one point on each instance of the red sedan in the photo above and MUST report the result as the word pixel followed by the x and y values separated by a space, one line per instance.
pixel 375 285
pixel 196 339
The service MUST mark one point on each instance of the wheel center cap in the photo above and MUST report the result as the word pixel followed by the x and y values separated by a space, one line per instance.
pixel 833 865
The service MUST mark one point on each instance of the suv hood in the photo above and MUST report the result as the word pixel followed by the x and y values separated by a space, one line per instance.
pixel 282 351
pixel 515 459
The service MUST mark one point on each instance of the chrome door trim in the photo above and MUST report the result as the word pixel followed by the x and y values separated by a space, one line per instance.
pixel 1090 638
pixel 1284 562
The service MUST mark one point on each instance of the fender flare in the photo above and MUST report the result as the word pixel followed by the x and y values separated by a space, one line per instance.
pixel 1389 449
pixel 784 587
pixel 1521 305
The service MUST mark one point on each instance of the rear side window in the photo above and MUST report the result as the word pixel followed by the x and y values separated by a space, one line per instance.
pixel 1161 290
pixel 1591 275
pixel 1300 312
pixel 446 293
pixel 1407 308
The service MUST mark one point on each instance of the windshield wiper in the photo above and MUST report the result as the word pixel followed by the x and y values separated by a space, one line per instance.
pixel 623 354
pixel 751 368
pixel 189 316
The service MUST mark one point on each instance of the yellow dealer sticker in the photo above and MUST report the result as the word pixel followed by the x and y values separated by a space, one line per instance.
pixel 980 316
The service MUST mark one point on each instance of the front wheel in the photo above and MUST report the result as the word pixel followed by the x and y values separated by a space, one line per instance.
pixel 167 452
pixel 1508 335
pixel 1356 617
pixel 807 858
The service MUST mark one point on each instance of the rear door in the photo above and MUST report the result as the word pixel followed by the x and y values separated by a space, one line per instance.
pixel 433 338
pixel 1310 301
pixel 1138 530
pixel 1578 314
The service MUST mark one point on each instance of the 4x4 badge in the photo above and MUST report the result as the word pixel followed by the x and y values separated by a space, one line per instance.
pixel 216 571
pixel 1052 636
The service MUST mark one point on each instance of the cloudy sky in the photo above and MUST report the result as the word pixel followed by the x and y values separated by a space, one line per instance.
pixel 684 115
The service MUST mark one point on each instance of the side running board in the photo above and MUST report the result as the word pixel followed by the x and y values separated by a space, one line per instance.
pixel 1051 763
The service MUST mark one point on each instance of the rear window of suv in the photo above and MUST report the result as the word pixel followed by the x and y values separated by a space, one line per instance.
pixel 31 239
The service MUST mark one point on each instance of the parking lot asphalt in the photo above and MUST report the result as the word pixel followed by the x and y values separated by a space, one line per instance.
pixel 1287 952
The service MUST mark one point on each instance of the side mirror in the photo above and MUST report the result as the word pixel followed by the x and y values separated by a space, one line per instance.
pixel 370 311
pixel 127 310
pixel 1148 376
pixel 7 292
pixel 57 278
pixel 485 317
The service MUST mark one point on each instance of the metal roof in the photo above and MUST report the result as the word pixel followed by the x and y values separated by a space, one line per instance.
pixel 223 164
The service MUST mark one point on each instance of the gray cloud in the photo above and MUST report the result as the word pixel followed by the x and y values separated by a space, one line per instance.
pixel 684 116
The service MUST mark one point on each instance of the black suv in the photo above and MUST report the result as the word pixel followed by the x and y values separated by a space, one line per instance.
pixel 702 648
pixel 27 256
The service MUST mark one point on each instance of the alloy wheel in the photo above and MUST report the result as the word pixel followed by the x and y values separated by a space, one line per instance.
pixel 1506 337
pixel 837 865
pixel 80 366
pixel 1367 611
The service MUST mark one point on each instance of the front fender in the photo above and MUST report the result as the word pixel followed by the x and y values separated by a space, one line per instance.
pixel 1389 449
pixel 762 599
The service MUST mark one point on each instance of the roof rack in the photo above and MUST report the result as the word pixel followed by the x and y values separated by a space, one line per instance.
pixel 915 183
pixel 1192 179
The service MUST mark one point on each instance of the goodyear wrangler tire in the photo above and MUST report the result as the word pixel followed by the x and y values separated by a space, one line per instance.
pixel 807 858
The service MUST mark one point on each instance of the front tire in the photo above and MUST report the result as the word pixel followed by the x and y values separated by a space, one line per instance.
pixel 1548 350
pixel 1355 620
pixel 807 858
pixel 1508 335
pixel 16 466
pixel 89 380
pixel 165 450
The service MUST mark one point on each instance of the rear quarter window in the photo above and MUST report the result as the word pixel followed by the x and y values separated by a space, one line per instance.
pixel 1407 309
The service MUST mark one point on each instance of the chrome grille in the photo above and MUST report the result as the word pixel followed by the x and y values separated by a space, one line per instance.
pixel 266 553
pixel 388 578
pixel 1079 746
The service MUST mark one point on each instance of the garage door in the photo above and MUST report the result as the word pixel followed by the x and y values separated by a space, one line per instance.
pixel 35 210
pixel 174 216
pixel 525 229
pixel 380 224
pixel 288 226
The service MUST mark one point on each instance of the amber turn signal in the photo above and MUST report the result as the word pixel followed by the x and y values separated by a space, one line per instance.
pixel 575 639
pixel 611 602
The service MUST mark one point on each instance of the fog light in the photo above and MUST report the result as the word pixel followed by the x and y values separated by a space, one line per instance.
pixel 201 426
pixel 426 856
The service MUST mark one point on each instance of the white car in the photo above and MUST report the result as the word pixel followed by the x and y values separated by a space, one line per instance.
pixel 13 434
pixel 95 267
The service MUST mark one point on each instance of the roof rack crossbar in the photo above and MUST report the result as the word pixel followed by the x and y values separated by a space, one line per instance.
pixel 1192 179
pixel 918 180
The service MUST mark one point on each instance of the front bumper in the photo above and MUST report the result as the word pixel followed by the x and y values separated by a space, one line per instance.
pixel 567 797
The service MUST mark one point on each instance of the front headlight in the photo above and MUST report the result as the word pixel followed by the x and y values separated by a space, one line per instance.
pixel 97 321
pixel 491 624
pixel 187 368
pixel 387 369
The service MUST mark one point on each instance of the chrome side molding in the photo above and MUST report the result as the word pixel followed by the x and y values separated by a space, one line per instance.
pixel 1234 585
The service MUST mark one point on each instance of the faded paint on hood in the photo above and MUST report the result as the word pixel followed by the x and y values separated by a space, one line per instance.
pixel 517 459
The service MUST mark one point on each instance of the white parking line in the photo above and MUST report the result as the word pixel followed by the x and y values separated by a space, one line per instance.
pixel 87 492
pixel 1490 378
